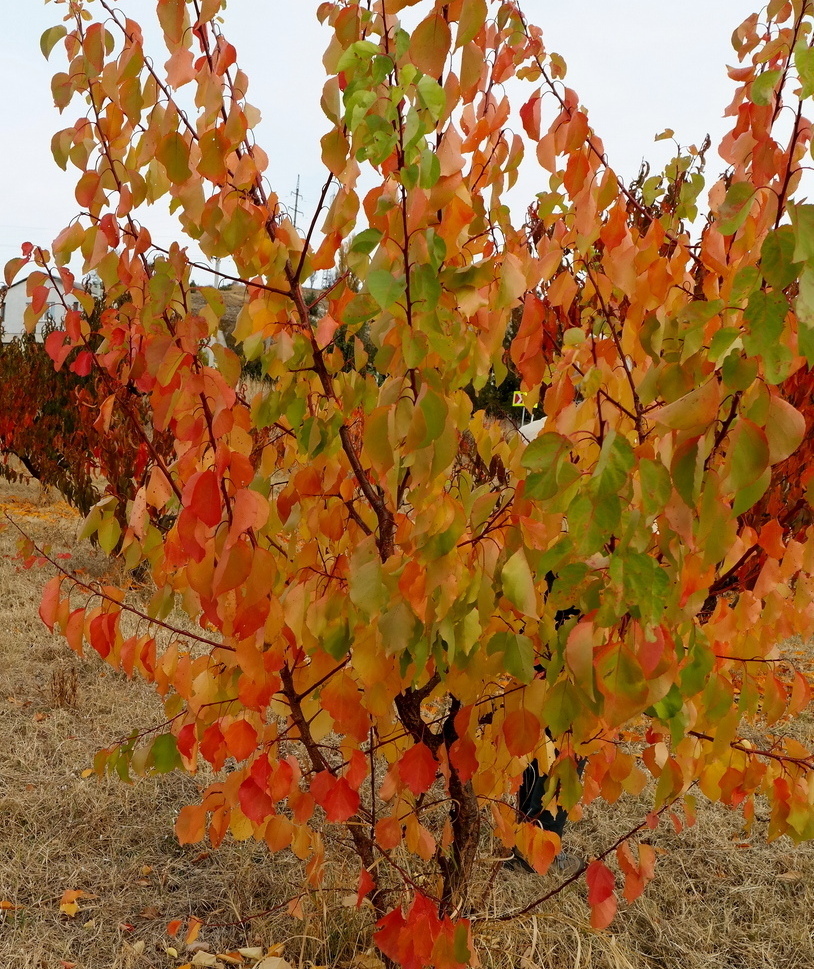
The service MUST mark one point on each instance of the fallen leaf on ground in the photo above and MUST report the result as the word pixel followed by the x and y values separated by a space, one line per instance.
pixel 68 904
pixel 205 959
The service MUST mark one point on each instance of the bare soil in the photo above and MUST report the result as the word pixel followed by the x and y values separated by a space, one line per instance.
pixel 721 899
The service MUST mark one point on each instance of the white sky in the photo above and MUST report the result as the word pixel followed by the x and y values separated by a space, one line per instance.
pixel 639 66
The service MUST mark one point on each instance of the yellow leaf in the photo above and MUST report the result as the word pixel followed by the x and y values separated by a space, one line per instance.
pixel 68 904
pixel 273 962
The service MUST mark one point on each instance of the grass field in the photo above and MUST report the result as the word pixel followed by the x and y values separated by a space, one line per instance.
pixel 721 900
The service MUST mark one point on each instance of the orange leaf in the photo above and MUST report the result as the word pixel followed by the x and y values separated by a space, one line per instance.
pixel 49 604
pixel 68 904
pixel 241 739
pixel 429 45
pixel 521 730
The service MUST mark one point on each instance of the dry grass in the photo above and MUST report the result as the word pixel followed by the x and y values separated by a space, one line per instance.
pixel 719 900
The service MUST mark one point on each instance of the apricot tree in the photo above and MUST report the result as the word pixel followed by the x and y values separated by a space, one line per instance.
pixel 365 555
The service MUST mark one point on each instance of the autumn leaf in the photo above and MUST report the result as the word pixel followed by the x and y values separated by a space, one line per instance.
pixel 417 768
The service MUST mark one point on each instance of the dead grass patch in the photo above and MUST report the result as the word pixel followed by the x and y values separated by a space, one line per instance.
pixel 721 900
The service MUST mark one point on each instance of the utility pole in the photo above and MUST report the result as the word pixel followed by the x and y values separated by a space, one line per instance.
pixel 297 198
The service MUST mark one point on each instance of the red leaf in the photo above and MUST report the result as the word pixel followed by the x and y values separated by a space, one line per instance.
pixel 254 801
pixel 417 768
pixel 186 740
pixel 389 934
pixel 213 746
pixel 56 348
pixel 342 802
pixel 464 758
pixel 102 632
pixel 366 885
pixel 83 364
pixel 321 784
pixel 204 501
pixel 600 882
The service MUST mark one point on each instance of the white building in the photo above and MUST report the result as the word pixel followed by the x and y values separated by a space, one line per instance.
pixel 14 299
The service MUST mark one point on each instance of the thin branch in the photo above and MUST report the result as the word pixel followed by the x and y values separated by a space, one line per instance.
pixel 122 605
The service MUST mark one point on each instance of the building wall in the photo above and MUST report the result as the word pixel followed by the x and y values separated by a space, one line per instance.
pixel 14 304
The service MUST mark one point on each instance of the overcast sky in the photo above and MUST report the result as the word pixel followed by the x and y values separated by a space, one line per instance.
pixel 639 66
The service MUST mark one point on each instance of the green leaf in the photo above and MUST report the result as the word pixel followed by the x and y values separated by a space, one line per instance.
pixel 777 258
pixel 384 287
pixel 738 372
pixel 561 708
pixel 518 584
pixel 544 451
pixel 748 454
pixel 547 456
pixel 337 640
pixel 622 681
pixel 367 590
pixel 736 206
pixel 765 315
pixel 686 471
pixel 109 533
pixel 358 53
pixel 656 486
pixel 460 944
pixel 592 522
pixel 429 169
pixel 746 497
pixel 778 361
pixel 802 221
pixel 435 412
pixel 173 153
pixel 695 674
pixel 643 582
pixel 366 241
pixel 722 343
pixel 432 96
pixel 164 755
pixel 518 654
pixel 51 38
pixel 473 17
pixel 747 280
pixel 360 309
pixel 804 63
pixel 668 706
pixel 762 88
pixel 613 467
